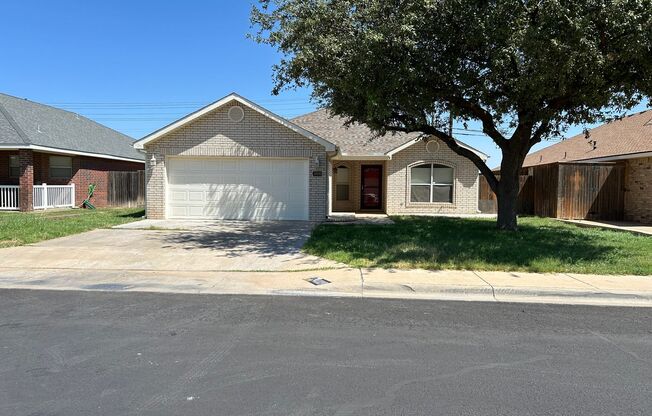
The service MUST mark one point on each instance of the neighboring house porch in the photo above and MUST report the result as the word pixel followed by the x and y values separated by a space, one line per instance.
pixel 49 156
pixel 39 180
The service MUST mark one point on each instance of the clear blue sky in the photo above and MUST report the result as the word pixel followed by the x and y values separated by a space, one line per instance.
pixel 138 65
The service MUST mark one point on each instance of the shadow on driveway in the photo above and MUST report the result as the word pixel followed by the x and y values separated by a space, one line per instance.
pixel 235 238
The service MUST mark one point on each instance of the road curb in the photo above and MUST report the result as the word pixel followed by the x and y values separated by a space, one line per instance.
pixel 602 298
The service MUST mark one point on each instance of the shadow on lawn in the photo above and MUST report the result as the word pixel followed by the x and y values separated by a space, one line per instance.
pixel 137 214
pixel 461 243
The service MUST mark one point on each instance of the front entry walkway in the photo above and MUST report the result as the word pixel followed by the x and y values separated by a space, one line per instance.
pixel 358 218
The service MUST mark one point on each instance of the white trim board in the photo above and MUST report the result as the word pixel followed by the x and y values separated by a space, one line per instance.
pixel 217 104
pixel 359 157
pixel 66 152
pixel 404 146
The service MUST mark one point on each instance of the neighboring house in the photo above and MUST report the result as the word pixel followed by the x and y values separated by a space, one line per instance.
pixel 49 156
pixel 236 160
pixel 607 175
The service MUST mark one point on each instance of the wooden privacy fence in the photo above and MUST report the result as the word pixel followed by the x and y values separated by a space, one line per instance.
pixel 567 190
pixel 591 191
pixel 126 189
pixel 487 201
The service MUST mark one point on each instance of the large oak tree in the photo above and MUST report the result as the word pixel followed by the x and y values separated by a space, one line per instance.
pixel 524 69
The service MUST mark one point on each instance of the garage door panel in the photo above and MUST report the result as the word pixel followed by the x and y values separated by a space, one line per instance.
pixel 196 196
pixel 247 188
pixel 179 196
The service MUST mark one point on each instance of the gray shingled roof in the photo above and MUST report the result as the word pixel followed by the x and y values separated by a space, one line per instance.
pixel 355 140
pixel 24 122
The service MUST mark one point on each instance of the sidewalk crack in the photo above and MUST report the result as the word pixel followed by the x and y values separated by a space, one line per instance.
pixel 493 291
pixel 361 282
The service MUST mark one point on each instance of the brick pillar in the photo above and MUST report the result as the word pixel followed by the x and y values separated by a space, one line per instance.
pixel 26 181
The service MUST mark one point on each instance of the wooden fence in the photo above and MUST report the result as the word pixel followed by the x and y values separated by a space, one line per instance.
pixel 591 191
pixel 487 200
pixel 567 190
pixel 126 189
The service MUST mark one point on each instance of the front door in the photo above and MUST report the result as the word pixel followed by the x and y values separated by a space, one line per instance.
pixel 372 186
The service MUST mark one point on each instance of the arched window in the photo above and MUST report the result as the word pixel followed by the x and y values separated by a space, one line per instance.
pixel 342 183
pixel 431 182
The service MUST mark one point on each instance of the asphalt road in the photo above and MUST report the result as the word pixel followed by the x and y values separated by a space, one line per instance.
pixel 82 353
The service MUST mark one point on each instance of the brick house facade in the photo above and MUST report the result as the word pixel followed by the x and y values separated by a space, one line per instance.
pixel 211 139
pixel 214 136
pixel 44 145
pixel 34 169
pixel 396 183
pixel 465 182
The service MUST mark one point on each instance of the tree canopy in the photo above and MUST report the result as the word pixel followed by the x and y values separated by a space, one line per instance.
pixel 524 69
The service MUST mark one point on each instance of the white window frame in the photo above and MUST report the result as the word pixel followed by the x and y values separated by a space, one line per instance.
pixel 431 184
pixel 17 159
pixel 51 165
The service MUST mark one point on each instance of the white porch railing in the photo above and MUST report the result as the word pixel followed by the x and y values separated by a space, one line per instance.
pixel 54 196
pixel 9 197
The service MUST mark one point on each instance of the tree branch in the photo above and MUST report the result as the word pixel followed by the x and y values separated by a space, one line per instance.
pixel 488 124
pixel 543 128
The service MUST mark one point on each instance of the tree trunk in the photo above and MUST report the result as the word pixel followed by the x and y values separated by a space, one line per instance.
pixel 507 197
pixel 507 192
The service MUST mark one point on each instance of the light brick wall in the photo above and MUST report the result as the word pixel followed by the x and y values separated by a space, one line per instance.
pixel 638 190
pixel 214 135
pixel 465 188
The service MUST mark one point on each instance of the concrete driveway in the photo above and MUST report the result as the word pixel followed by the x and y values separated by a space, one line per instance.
pixel 175 246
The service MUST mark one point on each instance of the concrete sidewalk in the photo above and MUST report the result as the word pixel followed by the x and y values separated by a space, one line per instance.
pixel 349 282
pixel 632 227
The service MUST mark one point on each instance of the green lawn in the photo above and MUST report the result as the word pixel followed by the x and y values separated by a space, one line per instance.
pixel 17 228
pixel 540 245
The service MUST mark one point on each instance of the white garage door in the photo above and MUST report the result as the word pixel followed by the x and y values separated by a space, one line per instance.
pixel 239 189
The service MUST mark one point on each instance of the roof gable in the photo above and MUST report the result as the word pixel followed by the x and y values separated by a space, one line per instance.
pixel 222 102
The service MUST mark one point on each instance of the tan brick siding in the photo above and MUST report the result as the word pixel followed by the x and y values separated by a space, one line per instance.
pixel 214 135
pixel 638 190
pixel 465 188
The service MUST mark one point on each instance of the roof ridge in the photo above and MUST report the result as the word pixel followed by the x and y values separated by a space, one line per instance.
pixel 309 113
pixel 14 125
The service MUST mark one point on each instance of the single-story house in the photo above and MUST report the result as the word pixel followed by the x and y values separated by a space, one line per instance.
pixel 49 156
pixel 605 176
pixel 233 159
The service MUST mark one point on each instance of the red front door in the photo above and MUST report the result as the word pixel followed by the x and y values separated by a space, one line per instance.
pixel 372 186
